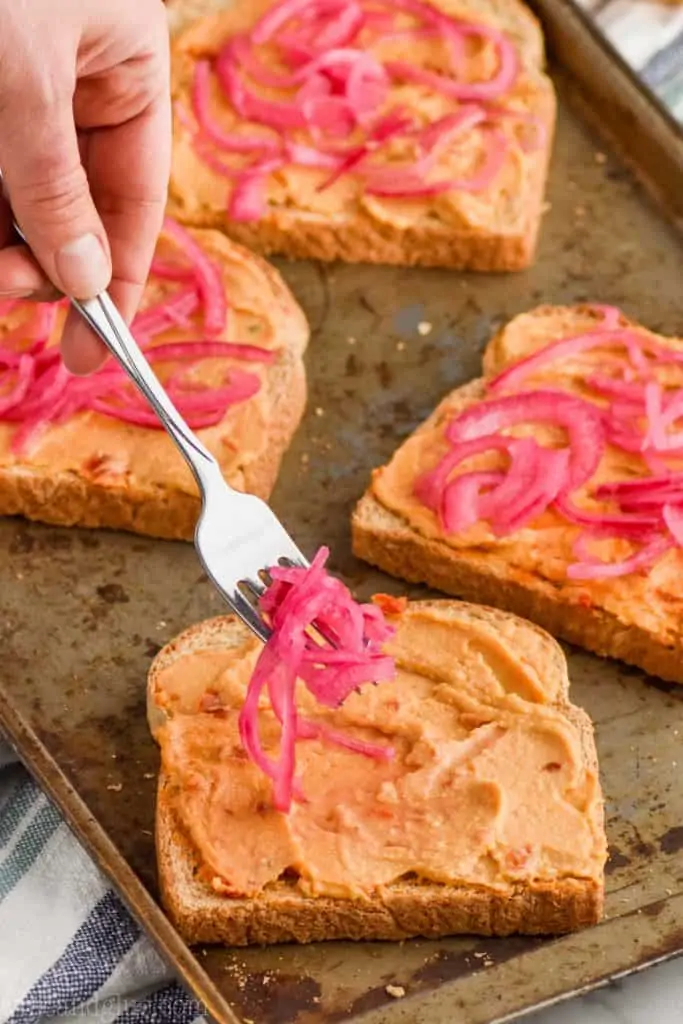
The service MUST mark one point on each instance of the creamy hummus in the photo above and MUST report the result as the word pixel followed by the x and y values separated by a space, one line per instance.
pixel 490 783
pixel 502 205
pixel 106 449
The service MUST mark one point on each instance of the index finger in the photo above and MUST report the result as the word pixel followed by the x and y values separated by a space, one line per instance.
pixel 128 167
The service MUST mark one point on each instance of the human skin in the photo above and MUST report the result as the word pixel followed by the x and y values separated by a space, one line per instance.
pixel 85 143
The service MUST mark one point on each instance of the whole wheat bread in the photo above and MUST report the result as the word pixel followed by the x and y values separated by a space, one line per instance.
pixel 643 630
pixel 498 233
pixel 410 907
pixel 70 478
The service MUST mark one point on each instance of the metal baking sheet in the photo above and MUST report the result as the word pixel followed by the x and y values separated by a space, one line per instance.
pixel 82 613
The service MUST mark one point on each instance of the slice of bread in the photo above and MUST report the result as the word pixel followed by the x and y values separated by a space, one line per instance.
pixel 634 618
pixel 95 471
pixel 492 230
pixel 500 674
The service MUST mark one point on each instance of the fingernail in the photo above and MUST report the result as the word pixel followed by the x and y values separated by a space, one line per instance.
pixel 16 293
pixel 83 267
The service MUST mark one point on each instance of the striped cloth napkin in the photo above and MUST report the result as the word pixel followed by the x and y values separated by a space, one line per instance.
pixel 68 949
pixel 649 36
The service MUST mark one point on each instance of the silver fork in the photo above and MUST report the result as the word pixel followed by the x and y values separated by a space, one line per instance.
pixel 238 538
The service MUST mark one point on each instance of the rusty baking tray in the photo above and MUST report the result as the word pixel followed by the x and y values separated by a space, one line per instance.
pixel 82 613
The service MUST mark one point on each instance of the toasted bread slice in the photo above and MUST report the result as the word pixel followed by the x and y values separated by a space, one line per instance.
pixel 490 230
pixel 635 618
pixel 95 471
pixel 503 674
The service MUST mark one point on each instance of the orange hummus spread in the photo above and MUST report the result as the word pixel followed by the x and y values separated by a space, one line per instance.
pixel 540 553
pixel 502 205
pixel 492 782
pixel 121 454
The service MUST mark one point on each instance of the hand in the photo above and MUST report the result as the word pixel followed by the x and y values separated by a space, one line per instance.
pixel 85 139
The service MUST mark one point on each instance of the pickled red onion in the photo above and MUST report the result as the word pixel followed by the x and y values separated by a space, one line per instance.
pixel 639 485
pixel 328 115
pixel 643 559
pixel 506 499
pixel 250 62
pixel 367 87
pixel 24 378
pixel 170 271
pixel 281 13
pixel 581 420
pixel 646 512
pixel 334 86
pixel 626 524
pixel 565 348
pixel 139 416
pixel 429 488
pixel 431 140
pixel 8 305
pixel 231 142
pixel 208 276
pixel 461 506
pixel 327 35
pixel 481 179
pixel 535 478
pixel 162 315
pixel 500 83
pixel 611 316
pixel 248 197
pixel 297 602
pixel 252 107
pixel 673 518
pixel 543 488
pixel 195 350
pixel 612 387
pixel 307 156
pixel 51 386
pixel 463 91
pixel 36 389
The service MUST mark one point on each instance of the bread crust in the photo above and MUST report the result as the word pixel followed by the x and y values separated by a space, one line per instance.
pixel 359 238
pixel 399 911
pixel 386 540
pixel 404 910
pixel 69 498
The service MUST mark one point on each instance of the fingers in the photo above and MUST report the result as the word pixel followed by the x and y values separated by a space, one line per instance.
pixel 20 275
pixel 52 203
pixel 91 207
pixel 82 351
pixel 48 186
pixel 128 167
pixel 126 109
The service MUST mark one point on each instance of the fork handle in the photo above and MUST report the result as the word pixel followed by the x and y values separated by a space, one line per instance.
pixel 104 318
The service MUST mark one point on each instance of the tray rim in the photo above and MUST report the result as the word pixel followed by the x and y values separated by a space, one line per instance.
pixel 656 124
pixel 635 112
pixel 573 9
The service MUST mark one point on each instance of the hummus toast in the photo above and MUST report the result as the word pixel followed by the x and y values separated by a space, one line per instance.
pixel 409 133
pixel 488 819
pixel 225 336
pixel 551 487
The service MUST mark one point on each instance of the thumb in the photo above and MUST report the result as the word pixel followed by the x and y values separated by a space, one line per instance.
pixel 48 190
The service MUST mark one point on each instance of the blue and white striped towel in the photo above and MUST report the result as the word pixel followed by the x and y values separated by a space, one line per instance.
pixel 68 949
pixel 649 36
